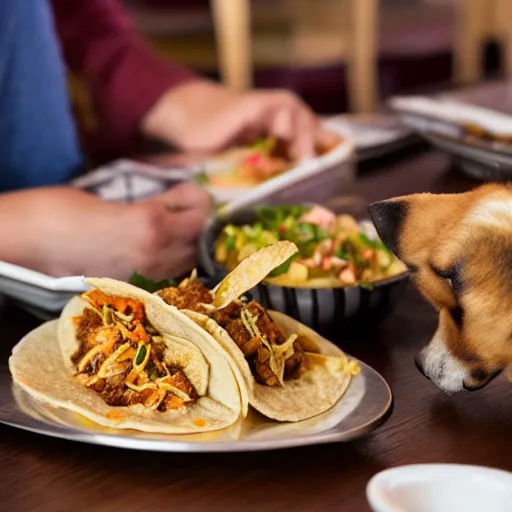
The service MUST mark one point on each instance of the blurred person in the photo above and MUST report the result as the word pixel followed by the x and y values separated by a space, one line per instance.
pixel 59 230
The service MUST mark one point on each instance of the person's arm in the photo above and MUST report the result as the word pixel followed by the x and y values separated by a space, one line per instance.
pixel 123 74
pixel 136 91
pixel 69 232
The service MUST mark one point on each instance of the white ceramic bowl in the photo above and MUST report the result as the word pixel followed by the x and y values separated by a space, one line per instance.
pixel 441 488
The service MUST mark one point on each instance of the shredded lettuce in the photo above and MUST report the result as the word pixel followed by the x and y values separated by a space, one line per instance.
pixel 283 268
pixel 149 285
pixel 272 217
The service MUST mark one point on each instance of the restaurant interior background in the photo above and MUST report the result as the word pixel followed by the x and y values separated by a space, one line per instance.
pixel 338 55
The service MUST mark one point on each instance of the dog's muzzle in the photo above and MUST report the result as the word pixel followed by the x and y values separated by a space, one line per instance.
pixel 476 383
pixel 481 384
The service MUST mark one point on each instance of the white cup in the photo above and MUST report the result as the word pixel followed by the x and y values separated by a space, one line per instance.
pixel 440 488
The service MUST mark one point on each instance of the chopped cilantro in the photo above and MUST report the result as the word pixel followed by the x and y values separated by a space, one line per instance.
pixel 284 267
pixel 230 242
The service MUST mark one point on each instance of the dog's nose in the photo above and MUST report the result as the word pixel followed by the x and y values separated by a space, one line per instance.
pixel 419 365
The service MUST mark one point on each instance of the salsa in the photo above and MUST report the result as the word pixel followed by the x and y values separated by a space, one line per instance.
pixel 334 250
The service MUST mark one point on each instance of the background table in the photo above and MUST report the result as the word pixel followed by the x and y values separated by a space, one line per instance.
pixel 43 474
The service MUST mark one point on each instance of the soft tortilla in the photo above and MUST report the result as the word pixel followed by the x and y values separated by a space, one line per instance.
pixel 315 392
pixel 251 270
pixel 37 365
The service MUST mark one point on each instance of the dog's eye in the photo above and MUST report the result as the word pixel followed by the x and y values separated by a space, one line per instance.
pixel 451 276
pixel 445 274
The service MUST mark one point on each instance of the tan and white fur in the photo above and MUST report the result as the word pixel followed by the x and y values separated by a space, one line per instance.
pixel 459 248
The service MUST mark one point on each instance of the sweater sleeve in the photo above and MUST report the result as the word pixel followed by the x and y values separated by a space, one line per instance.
pixel 124 76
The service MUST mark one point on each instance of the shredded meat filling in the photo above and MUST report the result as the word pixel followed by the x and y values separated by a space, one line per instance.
pixel 253 348
pixel 120 358
pixel 85 325
pixel 189 297
pixel 194 295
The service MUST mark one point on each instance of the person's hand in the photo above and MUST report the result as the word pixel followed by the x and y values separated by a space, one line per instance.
pixel 201 116
pixel 62 231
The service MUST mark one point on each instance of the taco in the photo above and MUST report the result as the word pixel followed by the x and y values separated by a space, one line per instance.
pixel 122 359
pixel 287 375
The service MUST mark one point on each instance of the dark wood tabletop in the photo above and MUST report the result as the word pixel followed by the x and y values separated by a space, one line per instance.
pixel 42 474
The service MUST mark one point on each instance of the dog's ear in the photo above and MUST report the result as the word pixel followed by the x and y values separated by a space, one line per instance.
pixel 410 223
pixel 388 217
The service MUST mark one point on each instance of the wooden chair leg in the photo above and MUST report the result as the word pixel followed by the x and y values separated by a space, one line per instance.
pixel 232 21
pixel 470 34
pixel 362 56
pixel 503 22
pixel 506 44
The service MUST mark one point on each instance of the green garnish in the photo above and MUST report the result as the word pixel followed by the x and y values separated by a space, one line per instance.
pixel 252 231
pixel 359 263
pixel 366 285
pixel 149 285
pixel 310 232
pixel 373 244
pixel 230 242
pixel 141 354
pixel 284 267
pixel 201 178
pixel 107 315
pixel 265 145
pixel 230 229
pixel 342 255
pixel 271 217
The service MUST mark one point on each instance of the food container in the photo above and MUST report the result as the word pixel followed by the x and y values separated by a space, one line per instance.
pixel 315 180
pixel 325 310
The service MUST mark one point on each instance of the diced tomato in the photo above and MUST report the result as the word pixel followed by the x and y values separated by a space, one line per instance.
pixel 254 159
pixel 326 264
pixel 320 216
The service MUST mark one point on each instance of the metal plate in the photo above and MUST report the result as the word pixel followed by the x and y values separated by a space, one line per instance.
pixel 375 135
pixel 365 406
pixel 478 162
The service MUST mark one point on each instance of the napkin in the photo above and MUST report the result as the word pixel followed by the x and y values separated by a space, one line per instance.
pixel 127 181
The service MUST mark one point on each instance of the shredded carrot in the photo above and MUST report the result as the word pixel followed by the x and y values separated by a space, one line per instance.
pixel 127 307
pixel 115 415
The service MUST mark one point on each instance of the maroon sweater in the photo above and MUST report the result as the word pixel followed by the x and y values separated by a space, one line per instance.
pixel 123 74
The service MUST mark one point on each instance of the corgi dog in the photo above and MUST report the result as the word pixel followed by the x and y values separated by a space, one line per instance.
pixel 459 249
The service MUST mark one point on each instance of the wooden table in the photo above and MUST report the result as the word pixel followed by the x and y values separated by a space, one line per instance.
pixel 43 474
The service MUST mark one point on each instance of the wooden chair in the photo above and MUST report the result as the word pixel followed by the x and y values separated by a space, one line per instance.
pixel 232 20
pixel 354 22
pixel 477 22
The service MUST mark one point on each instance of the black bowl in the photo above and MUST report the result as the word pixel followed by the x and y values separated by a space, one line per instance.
pixel 326 310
